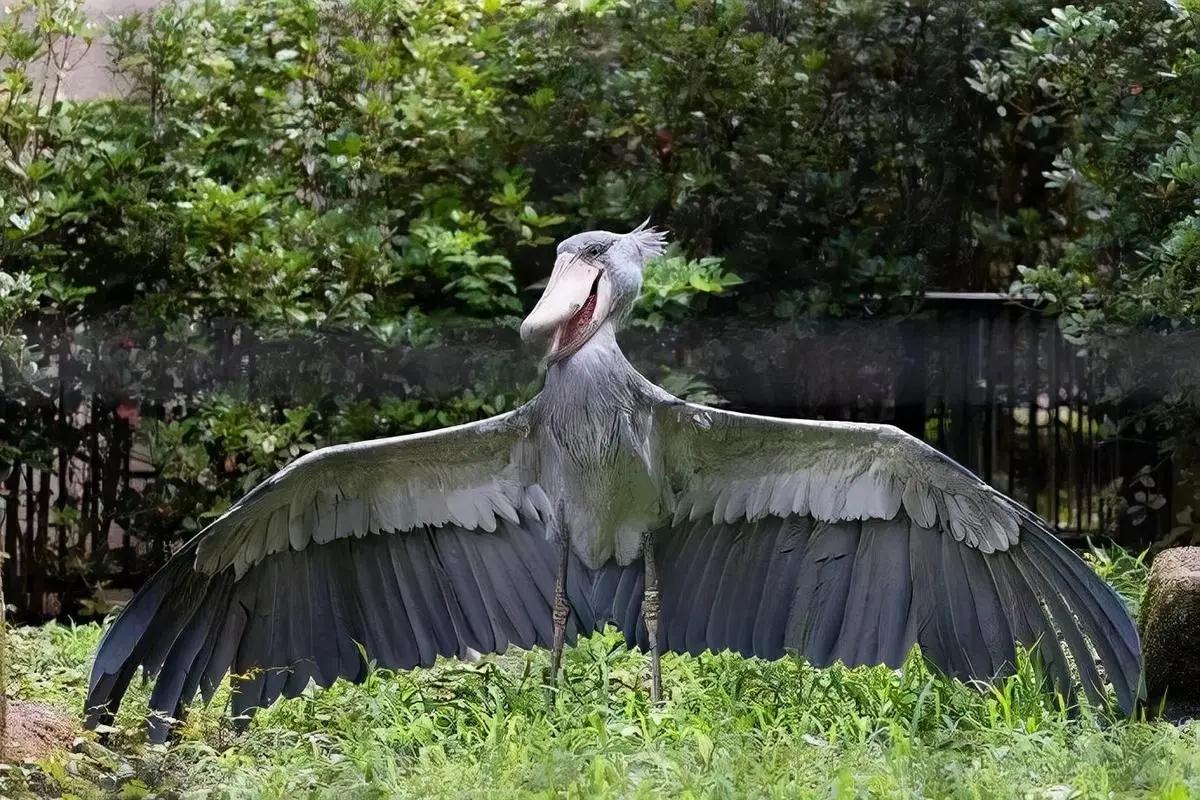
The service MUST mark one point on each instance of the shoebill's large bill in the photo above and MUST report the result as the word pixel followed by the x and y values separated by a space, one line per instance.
pixel 605 498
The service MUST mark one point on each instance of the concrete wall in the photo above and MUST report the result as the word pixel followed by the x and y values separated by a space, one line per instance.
pixel 92 77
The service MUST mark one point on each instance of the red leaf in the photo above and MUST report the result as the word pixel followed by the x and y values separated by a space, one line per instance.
pixel 666 142
pixel 129 410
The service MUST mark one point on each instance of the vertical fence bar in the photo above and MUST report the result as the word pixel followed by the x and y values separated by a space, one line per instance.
pixel 1090 440
pixel 1054 385
pixel 966 369
pixel 1011 320
pixel 33 560
pixel 1079 422
pixel 1035 463
pixel 943 403
pixel 989 359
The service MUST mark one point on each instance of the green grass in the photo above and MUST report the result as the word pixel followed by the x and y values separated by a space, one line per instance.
pixel 731 728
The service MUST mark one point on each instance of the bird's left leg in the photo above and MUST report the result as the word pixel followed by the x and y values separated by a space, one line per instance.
pixel 561 609
pixel 650 608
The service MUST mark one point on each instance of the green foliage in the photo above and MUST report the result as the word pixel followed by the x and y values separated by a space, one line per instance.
pixel 825 146
pixel 335 165
pixel 674 286
pixel 1124 171
pixel 689 387
pixel 310 165
pixel 1101 99
pixel 1124 571
pixel 730 727
pixel 373 184
pixel 18 297
pixel 37 38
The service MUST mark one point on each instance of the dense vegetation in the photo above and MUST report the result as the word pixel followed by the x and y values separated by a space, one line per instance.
pixel 730 728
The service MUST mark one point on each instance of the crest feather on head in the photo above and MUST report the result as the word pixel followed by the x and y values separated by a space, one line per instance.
pixel 649 241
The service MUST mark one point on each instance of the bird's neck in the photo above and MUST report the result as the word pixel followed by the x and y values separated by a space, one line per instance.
pixel 590 426
pixel 596 366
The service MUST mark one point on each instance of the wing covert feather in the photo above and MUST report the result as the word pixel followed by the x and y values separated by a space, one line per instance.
pixel 731 466
pixel 464 476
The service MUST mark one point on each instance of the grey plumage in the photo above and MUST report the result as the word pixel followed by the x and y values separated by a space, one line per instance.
pixel 841 541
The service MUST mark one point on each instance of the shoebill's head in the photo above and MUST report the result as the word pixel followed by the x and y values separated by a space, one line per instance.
pixel 596 279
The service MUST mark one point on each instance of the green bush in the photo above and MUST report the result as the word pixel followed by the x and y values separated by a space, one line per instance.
pixel 1105 95
pixel 340 164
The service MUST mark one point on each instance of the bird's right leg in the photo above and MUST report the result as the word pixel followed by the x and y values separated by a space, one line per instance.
pixel 650 610
pixel 561 608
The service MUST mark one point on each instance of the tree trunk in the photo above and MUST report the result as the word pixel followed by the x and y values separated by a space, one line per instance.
pixel 3 665
pixel 12 526
pixel 1171 633
pixel 12 484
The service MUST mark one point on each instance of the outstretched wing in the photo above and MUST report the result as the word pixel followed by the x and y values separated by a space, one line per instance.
pixel 413 547
pixel 852 542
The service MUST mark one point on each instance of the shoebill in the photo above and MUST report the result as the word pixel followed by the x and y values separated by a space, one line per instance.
pixel 607 499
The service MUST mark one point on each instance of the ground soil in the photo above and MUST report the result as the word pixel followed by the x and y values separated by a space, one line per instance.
pixel 36 730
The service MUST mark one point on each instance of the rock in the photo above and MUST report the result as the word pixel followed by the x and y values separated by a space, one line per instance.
pixel 1171 633
pixel 97 753
pixel 36 729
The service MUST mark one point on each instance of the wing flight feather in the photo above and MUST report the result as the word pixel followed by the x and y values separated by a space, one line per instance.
pixel 410 548
pixel 873 542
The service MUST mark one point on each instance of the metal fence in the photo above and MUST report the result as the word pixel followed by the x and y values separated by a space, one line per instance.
pixel 994 385
pixel 1014 401
pixel 991 383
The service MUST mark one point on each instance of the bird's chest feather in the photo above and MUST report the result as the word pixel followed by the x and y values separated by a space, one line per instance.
pixel 596 470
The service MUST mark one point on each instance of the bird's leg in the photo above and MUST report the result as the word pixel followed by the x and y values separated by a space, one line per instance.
pixel 650 608
pixel 561 609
